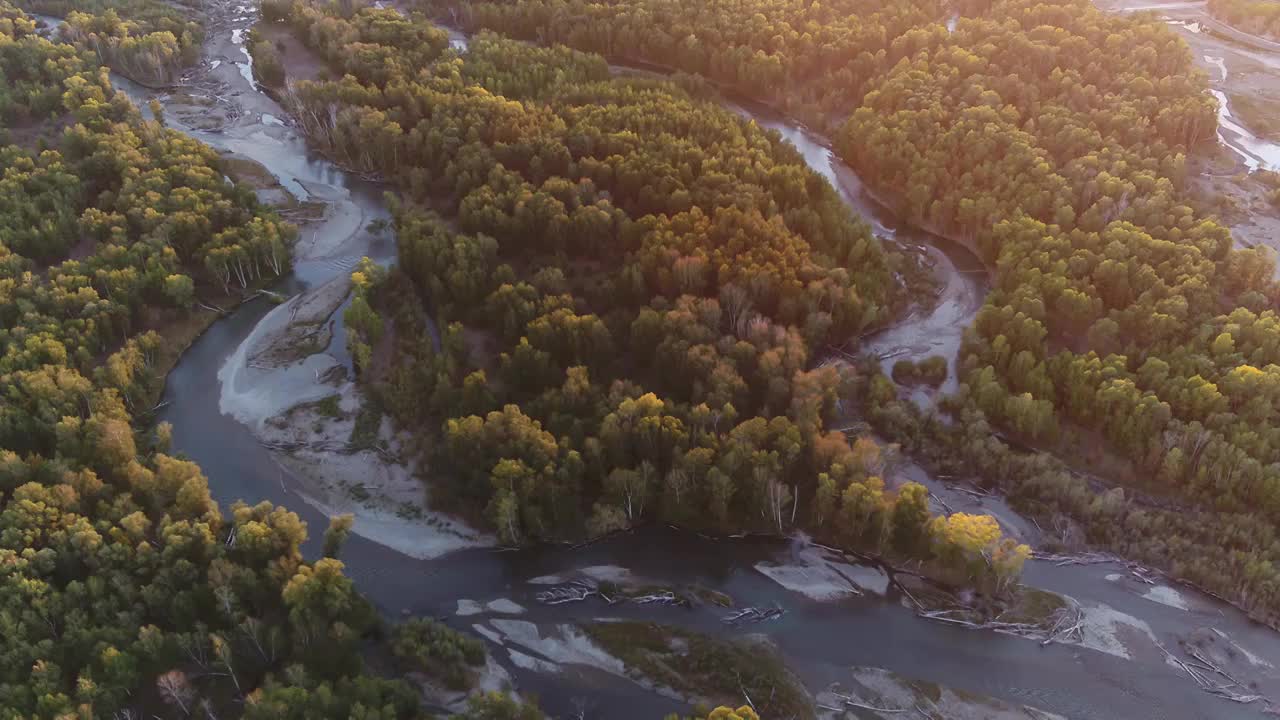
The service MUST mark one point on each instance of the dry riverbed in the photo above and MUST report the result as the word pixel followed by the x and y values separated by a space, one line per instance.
pixel 873 692
pixel 377 484
pixel 288 385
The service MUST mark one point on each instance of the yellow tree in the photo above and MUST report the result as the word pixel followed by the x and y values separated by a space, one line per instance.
pixel 723 712
pixel 974 544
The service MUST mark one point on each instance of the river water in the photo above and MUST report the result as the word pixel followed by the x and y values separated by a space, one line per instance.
pixel 819 639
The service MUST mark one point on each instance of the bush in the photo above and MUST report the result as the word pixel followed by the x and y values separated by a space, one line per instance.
pixel 268 67
pixel 904 371
pixel 932 370
pixel 430 647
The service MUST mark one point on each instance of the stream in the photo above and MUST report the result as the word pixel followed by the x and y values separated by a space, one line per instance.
pixel 935 329
pixel 1118 673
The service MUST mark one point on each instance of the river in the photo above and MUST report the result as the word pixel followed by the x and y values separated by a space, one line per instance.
pixel 820 640
pixel 933 328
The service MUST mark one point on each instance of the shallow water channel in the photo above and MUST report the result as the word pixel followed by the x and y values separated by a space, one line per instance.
pixel 820 640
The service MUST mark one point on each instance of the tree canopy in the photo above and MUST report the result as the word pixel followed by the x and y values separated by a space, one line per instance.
pixel 1260 17
pixel 629 303
pixel 1055 140
pixel 124 587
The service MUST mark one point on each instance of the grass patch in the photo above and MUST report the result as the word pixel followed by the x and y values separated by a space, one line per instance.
pixel 925 689
pixel 368 421
pixel 1271 181
pixel 429 647
pixel 409 511
pixel 706 668
pixel 687 596
pixel 328 406
pixel 324 407
pixel 358 493
pixel 186 98
pixel 179 331
pixel 711 597
pixel 296 347
pixel 248 171
pixel 1259 114
pixel 307 211
pixel 1034 606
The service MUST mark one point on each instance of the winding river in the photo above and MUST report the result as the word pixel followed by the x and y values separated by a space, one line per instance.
pixel 935 329
pixel 1120 674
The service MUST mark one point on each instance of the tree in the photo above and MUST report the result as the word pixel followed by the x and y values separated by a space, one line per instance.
pixel 175 689
pixel 722 712
pixel 335 536
pixel 910 519
pixel 430 647
pixel 973 545
pixel 320 600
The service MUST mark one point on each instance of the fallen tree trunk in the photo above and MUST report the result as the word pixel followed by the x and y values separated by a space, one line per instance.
pixel 753 615
pixel 1232 690
pixel 849 702
pixel 573 592
pixel 1068 624
pixel 334 446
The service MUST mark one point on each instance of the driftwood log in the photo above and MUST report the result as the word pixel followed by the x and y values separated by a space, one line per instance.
pixel 578 591
pixel 752 615
pixel 848 702
pixel 1139 572
pixel 1067 624
pixel 341 447
pixel 1205 673
pixel 571 592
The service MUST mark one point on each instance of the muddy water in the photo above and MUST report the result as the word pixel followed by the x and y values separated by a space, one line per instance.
pixel 820 640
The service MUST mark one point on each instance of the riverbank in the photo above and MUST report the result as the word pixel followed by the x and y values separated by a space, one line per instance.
pixel 377 483
pixel 290 382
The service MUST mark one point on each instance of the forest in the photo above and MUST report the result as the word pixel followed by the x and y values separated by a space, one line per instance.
pixel 1259 17
pixel 814 61
pixel 1052 139
pixel 1122 318
pixel 631 301
pixel 614 304
pixel 147 41
pixel 125 589
pixel 128 589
